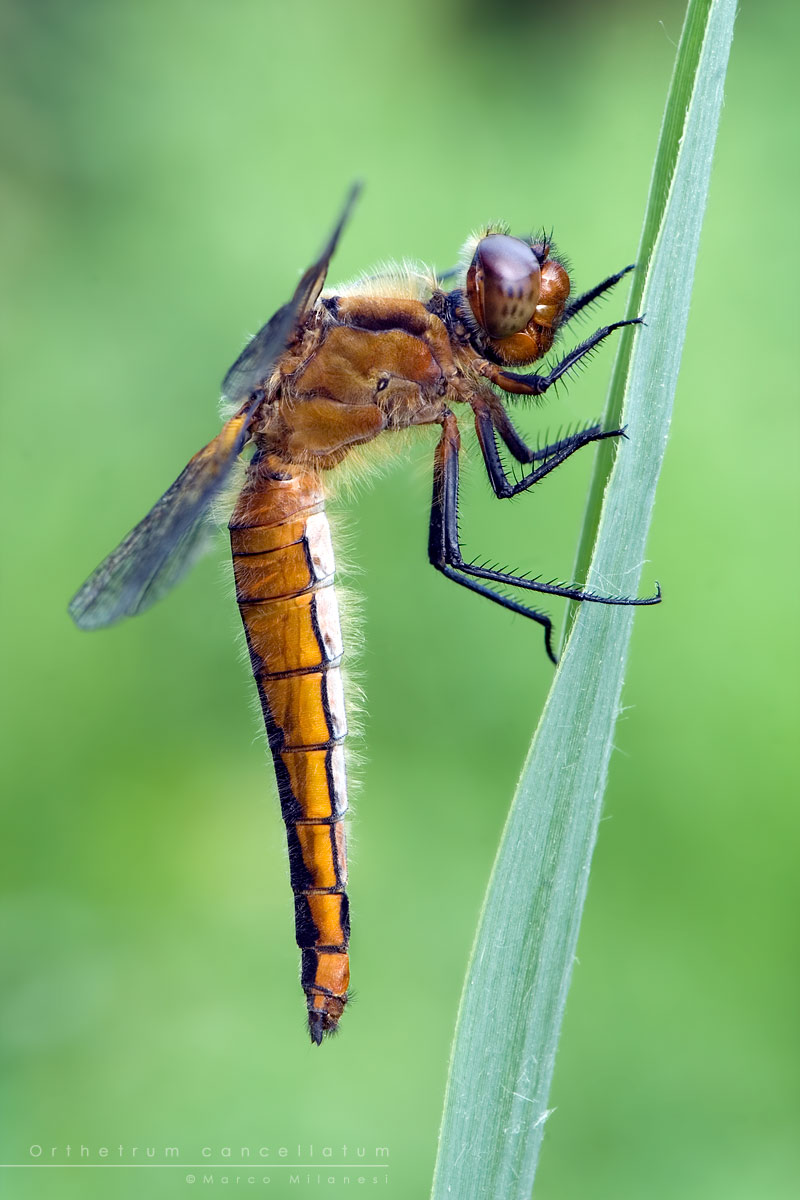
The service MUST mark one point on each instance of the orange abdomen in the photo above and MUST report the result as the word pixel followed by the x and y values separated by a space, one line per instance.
pixel 283 565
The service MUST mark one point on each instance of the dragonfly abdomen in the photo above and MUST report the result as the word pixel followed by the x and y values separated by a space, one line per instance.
pixel 284 568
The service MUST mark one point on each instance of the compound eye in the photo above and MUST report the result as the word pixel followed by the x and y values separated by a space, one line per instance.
pixel 503 284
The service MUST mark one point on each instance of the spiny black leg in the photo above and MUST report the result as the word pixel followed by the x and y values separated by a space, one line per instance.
pixel 537 385
pixel 506 602
pixel 553 589
pixel 503 424
pixel 490 403
pixel 550 589
pixel 514 442
pixel 581 302
pixel 550 456
pixel 443 545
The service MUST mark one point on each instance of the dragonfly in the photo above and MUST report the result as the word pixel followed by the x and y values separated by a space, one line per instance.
pixel 333 370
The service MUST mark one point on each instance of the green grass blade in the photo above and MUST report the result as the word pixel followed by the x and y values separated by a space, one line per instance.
pixel 516 987
pixel 680 93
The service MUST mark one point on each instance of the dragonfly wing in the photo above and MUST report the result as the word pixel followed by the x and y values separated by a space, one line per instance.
pixel 257 361
pixel 162 547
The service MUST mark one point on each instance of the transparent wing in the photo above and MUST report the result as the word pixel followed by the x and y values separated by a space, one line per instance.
pixel 162 547
pixel 256 362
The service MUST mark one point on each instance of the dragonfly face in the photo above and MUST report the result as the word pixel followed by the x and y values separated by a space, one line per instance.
pixel 503 284
pixel 328 372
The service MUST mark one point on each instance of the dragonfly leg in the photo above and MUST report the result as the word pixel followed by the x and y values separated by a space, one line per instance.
pixel 549 457
pixel 537 385
pixel 444 546
pixel 586 298
pixel 444 551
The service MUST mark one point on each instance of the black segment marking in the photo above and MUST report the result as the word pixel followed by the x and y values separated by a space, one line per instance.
pixel 318 628
pixel 261 553
pixel 308 971
pixel 306 931
pixel 320 668
pixel 326 707
pixel 336 799
pixel 299 875
pixel 291 808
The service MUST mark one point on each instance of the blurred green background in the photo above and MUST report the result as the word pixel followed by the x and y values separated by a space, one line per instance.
pixel 169 167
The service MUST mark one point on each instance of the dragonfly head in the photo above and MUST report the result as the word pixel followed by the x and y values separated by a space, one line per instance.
pixel 503 284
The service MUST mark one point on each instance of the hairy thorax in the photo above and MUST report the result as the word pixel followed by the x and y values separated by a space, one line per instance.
pixel 356 374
